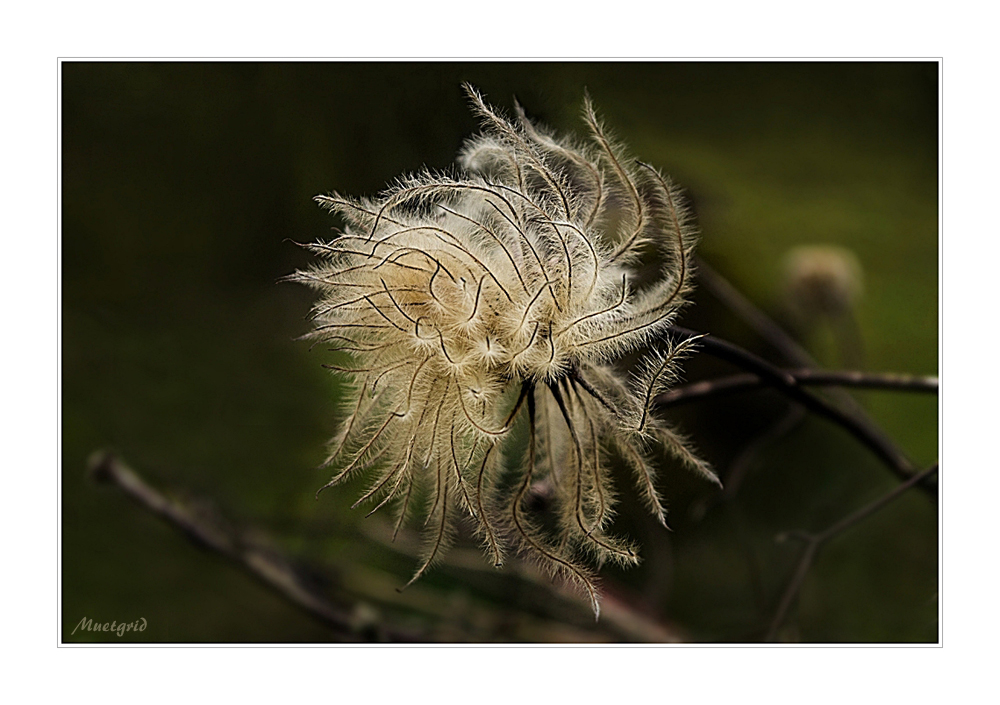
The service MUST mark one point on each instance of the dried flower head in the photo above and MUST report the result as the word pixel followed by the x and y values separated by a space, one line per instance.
pixel 822 280
pixel 484 306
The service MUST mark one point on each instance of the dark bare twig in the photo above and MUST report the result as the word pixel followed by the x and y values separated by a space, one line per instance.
pixel 762 324
pixel 784 382
pixel 793 353
pixel 266 565
pixel 620 621
pixel 813 542
pixel 782 342
pixel 805 378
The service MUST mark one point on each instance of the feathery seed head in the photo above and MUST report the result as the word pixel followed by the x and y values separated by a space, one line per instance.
pixel 822 279
pixel 470 302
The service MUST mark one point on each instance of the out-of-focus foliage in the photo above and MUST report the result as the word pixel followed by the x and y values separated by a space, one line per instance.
pixel 181 183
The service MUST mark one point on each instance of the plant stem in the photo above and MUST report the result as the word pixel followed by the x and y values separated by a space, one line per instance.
pixel 805 378
pixel 813 542
pixel 266 565
pixel 787 384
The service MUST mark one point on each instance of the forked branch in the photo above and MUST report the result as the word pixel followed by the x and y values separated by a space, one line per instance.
pixel 813 543
pixel 787 384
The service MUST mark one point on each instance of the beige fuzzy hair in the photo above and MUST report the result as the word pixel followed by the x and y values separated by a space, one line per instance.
pixel 469 301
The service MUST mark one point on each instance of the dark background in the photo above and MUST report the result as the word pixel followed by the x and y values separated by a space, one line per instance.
pixel 183 184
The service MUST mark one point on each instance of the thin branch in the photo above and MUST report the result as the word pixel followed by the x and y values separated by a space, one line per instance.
pixel 813 542
pixel 620 620
pixel 781 341
pixel 805 378
pixel 762 324
pixel 265 564
pixel 785 383
pixel 865 512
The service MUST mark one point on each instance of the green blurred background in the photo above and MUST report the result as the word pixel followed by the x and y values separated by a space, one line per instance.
pixel 182 186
